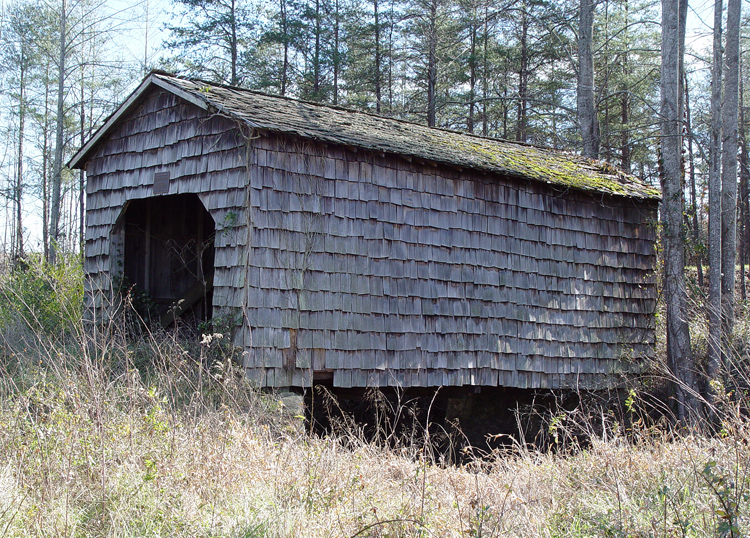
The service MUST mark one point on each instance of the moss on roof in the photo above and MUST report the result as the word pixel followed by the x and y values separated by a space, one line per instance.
pixel 359 129
pixel 548 166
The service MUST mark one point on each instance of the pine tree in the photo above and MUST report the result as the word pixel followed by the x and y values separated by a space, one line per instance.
pixel 19 58
pixel 210 42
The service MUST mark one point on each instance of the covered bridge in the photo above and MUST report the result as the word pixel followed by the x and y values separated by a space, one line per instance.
pixel 357 250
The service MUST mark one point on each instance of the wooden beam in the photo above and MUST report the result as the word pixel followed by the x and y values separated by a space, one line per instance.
pixel 191 296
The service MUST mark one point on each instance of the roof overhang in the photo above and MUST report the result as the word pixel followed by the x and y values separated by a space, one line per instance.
pixel 349 128
pixel 78 161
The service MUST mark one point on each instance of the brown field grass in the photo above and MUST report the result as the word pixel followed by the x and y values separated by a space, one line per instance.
pixel 141 434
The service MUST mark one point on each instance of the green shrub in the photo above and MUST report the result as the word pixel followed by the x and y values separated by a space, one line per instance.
pixel 42 298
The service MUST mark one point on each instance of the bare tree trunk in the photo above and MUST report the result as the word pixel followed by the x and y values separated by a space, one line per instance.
pixel 336 53
pixel 391 56
pixel 505 113
pixel 586 99
pixel 625 137
pixel 19 170
pixel 377 58
pixel 15 204
pixel 145 40
pixel 54 221
pixel 81 179
pixel 316 58
pixel 625 104
pixel 284 33
pixel 485 68
pixel 744 191
pixel 523 78
pixel 605 132
pixel 693 196
pixel 729 169
pixel 10 240
pixel 45 169
pixel 714 204
pixel 7 243
pixel 683 6
pixel 679 353
pixel 472 75
pixel 233 41
pixel 432 66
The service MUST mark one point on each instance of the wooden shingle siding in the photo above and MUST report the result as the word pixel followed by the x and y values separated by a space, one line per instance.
pixel 165 134
pixel 383 267
pixel 392 264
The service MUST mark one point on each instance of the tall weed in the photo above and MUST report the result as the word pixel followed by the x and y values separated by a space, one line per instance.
pixel 127 431
pixel 41 299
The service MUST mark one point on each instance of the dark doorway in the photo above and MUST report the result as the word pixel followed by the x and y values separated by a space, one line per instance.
pixel 169 256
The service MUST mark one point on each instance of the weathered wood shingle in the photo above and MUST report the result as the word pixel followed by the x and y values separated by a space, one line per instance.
pixel 382 252
pixel 513 294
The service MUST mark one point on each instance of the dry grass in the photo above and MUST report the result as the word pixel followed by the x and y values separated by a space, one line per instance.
pixel 97 449
pixel 149 436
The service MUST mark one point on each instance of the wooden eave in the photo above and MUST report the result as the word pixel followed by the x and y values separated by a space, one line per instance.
pixel 79 159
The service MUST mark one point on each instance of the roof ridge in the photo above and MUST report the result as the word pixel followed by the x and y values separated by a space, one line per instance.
pixel 382 134
pixel 342 108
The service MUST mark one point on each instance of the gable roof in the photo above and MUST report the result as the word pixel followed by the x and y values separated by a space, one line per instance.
pixel 385 135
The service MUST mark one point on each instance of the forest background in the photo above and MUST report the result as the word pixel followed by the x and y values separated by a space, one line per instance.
pixel 617 80
pixel 506 70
